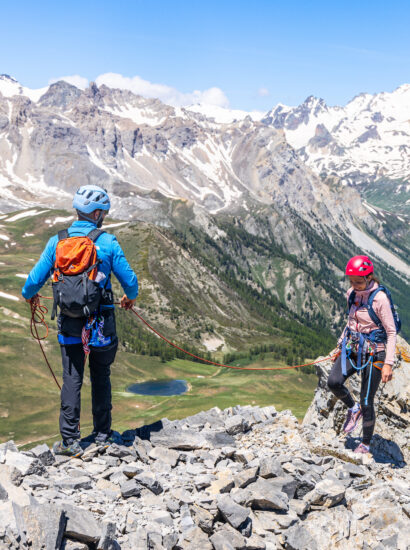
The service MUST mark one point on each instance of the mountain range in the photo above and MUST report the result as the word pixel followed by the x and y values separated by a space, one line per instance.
pixel 241 196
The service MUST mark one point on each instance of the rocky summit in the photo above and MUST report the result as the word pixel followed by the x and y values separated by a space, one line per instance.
pixel 242 478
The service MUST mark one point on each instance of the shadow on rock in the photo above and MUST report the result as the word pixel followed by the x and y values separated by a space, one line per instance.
pixel 383 451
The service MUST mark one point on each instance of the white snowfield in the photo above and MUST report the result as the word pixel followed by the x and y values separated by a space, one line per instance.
pixel 59 219
pixel 114 225
pixel 373 247
pixel 8 296
pixel 25 214
pixel 4 237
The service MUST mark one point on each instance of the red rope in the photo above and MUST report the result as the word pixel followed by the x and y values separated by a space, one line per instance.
pixel 220 364
pixel 38 313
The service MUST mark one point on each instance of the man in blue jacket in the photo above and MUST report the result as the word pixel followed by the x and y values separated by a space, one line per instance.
pixel 92 204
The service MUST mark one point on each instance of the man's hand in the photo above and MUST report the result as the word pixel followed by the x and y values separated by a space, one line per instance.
pixel 387 373
pixel 126 303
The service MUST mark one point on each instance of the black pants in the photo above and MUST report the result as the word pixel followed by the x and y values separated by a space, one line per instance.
pixel 100 360
pixel 336 382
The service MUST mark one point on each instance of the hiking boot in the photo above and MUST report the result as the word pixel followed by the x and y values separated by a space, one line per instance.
pixel 68 449
pixel 351 420
pixel 362 449
pixel 105 440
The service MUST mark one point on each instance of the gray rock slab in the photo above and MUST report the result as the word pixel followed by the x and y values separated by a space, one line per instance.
pixel 81 524
pixel 186 440
pixel 235 424
pixel 149 480
pixel 163 454
pixel 217 440
pixel 130 489
pixel 222 484
pixel 203 481
pixel 298 537
pixel 74 483
pixel 233 513
pixel 193 538
pixel 270 467
pixel 36 482
pixel 132 469
pixel 286 484
pixel 108 537
pixel 42 524
pixel 220 541
pixel 255 542
pixel 327 493
pixel 73 545
pixel 263 498
pixel 120 451
pixel 3 493
pixel 43 453
pixel 4 448
pixel 246 477
pixel 25 464
pixel 203 518
pixel 162 517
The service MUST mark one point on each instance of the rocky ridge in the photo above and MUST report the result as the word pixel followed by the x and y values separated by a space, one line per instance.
pixel 243 478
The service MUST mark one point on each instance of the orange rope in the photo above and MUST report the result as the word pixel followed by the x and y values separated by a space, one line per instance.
pixel 38 313
pixel 220 364
pixel 44 310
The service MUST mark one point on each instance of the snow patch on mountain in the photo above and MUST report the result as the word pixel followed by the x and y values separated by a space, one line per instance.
pixel 9 87
pixel 367 140
pixel 223 115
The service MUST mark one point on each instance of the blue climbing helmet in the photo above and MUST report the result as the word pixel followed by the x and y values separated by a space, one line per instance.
pixel 89 198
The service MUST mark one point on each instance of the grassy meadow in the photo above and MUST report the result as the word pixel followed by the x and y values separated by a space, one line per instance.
pixel 29 398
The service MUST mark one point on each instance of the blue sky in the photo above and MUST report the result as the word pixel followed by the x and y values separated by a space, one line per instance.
pixel 257 53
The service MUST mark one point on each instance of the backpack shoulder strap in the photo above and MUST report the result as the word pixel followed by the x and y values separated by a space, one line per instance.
pixel 370 301
pixel 95 233
pixel 63 234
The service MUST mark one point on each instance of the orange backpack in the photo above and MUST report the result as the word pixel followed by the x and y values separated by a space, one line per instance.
pixel 75 290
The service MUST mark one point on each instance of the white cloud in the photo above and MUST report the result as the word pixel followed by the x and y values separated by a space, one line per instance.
pixel 167 94
pixel 75 80
pixel 263 92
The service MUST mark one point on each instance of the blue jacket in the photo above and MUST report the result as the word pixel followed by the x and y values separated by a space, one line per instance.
pixel 108 250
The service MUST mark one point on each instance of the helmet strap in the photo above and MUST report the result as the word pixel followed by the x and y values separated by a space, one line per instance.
pixel 99 220
pixel 87 218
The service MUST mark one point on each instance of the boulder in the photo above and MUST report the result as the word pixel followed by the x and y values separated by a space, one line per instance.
pixel 327 493
pixel 43 453
pixel 233 513
pixel 25 464
pixel 81 525
pixel 42 524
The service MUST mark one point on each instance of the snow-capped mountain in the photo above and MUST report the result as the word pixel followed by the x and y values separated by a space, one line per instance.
pixel 365 141
pixel 57 139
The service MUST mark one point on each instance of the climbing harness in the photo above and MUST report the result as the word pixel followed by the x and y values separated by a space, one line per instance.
pixel 362 345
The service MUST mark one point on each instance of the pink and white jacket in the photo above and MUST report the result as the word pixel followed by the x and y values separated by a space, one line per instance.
pixel 360 320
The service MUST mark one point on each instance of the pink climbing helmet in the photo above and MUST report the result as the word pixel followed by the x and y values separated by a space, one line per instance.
pixel 359 266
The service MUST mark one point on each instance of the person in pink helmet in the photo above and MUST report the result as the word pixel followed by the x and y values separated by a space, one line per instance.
pixel 367 345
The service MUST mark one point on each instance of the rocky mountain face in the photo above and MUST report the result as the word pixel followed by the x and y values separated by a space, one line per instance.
pixel 172 167
pixel 243 478
pixel 137 146
pixel 366 142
